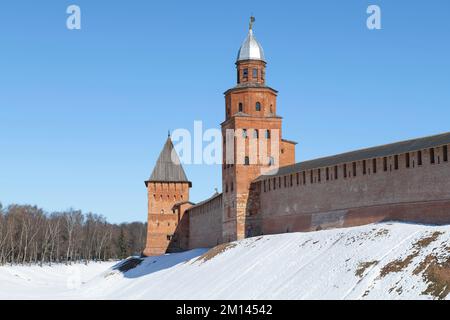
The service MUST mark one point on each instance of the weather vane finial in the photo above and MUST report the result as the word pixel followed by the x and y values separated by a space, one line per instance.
pixel 252 21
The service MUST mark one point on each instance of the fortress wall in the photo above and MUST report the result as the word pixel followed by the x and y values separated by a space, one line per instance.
pixel 205 223
pixel 420 193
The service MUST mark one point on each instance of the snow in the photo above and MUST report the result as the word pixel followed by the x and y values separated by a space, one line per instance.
pixel 351 263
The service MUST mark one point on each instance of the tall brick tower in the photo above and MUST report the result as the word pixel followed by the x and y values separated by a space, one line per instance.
pixel 251 113
pixel 168 189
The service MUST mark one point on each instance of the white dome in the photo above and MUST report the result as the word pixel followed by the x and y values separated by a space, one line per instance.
pixel 251 49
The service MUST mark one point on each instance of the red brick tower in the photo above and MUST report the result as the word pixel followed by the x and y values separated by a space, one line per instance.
pixel 168 191
pixel 251 112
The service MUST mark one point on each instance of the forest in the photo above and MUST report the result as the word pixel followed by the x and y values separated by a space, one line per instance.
pixel 29 235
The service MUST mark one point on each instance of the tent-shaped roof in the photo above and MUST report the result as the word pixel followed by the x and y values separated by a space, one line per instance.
pixel 168 167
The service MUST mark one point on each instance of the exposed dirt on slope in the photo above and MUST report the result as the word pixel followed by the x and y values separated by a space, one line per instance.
pixel 221 248
pixel 400 264
pixel 363 266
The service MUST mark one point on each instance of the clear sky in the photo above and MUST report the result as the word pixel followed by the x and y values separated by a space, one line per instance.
pixel 85 113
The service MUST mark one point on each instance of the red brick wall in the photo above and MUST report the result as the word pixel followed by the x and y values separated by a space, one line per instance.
pixel 418 193
pixel 205 224
pixel 162 221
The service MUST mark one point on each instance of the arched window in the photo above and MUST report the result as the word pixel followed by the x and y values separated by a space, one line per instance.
pixel 258 106
pixel 256 134
pixel 241 107
pixel 271 161
pixel 267 134
pixel 247 161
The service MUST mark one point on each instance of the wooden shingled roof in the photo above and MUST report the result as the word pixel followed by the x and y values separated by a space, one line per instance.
pixel 168 168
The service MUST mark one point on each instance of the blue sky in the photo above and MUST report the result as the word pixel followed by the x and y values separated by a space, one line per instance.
pixel 84 114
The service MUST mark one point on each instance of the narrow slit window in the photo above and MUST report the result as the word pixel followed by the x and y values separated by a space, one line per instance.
pixel 328 174
pixel 298 180
pixel 407 160
pixel 285 181
pixel 247 161
pixel 291 179
pixel 258 106
pixel 241 107
pixel 374 165
pixel 245 73
pixel 432 156
pixel 304 177
pixel 311 176
pixel 345 170
pixel 255 74
pixel 445 151
pixel 396 162
pixel 385 166
pixel 364 167
pixel 319 175
pixel 354 169
pixel 335 172
pixel 419 158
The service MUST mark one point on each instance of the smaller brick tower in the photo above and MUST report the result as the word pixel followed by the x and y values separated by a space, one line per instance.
pixel 168 191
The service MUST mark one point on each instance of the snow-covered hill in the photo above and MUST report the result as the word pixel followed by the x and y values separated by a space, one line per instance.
pixel 382 261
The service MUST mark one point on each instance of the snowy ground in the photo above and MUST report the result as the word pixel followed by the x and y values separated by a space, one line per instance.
pixel 382 261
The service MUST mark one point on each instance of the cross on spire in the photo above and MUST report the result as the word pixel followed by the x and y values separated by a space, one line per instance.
pixel 252 21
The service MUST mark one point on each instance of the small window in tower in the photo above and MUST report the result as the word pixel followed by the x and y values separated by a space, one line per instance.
pixel 271 161
pixel 245 73
pixel 385 165
pixel 247 161
pixel 238 77
pixel 258 106
pixel 226 187
pixel 407 160
pixel 354 169
pixel 374 165
pixel 241 107
pixel 345 170
pixel 255 74
pixel 255 134
pixel 419 158
pixel 445 151
pixel 263 75
pixel 244 133
pixel 162 211
pixel 335 172
pixel 267 134
pixel 432 157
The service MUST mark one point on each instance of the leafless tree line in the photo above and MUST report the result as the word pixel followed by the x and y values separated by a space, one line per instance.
pixel 30 235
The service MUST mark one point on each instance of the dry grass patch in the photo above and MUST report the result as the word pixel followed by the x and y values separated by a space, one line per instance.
pixel 363 266
pixel 221 248
pixel 400 264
